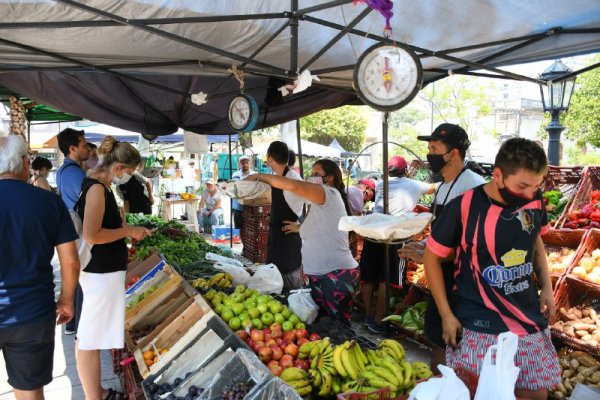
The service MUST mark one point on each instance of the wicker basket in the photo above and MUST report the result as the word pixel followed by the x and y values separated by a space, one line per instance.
pixel 590 242
pixel 589 182
pixel 564 179
pixel 556 240
pixel 415 294
pixel 571 293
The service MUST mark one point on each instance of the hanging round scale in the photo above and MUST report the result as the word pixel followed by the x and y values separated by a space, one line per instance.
pixel 243 113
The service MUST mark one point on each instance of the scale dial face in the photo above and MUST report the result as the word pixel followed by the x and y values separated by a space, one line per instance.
pixel 240 113
pixel 387 77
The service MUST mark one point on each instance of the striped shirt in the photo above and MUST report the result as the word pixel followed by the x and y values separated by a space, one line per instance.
pixel 493 245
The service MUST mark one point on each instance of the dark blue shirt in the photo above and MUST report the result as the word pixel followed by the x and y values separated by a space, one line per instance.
pixel 69 178
pixel 32 222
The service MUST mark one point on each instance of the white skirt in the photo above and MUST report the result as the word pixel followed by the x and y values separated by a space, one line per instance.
pixel 102 322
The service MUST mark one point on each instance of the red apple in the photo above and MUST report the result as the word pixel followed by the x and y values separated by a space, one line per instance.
pixel 254 346
pixel 242 334
pixel 286 361
pixel 283 344
pixel 278 341
pixel 267 331
pixel 277 333
pixel 302 364
pixel 265 354
pixel 272 362
pixel 292 350
pixel 271 342
pixel 267 337
pixel 275 326
pixel 290 336
pixel 277 353
pixel 313 337
pixel 301 333
pixel 276 370
pixel 301 341
pixel 257 335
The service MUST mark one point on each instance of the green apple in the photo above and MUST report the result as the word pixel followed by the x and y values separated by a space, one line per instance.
pixel 219 308
pixel 249 304
pixel 253 312
pixel 294 319
pixel 235 323
pixel 256 323
pixel 300 325
pixel 240 288
pixel 287 326
pixel 286 312
pixel 237 308
pixel 275 307
pixel 263 299
pixel 246 323
pixel 267 318
pixel 244 315
pixel 279 318
pixel 210 294
pixel 227 314
pixel 262 308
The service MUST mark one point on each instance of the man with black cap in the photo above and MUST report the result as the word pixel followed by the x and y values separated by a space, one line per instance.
pixel 447 147
pixel 402 197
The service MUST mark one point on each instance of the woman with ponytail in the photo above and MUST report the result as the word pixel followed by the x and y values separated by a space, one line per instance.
pixel 102 321
pixel 326 258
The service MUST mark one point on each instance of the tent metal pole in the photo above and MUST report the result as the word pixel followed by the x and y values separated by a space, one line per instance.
pixel 230 199
pixel 334 69
pixel 294 39
pixel 575 73
pixel 337 37
pixel 331 4
pixel 299 155
pixel 170 36
pixel 384 139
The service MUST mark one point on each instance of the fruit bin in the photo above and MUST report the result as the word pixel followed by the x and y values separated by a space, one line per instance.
pixel 574 293
pixel 565 355
pixel 143 271
pixel 416 294
pixel 213 340
pixel 175 333
pixel 161 303
pixel 555 241
pixel 590 181
pixel 565 180
pixel 588 249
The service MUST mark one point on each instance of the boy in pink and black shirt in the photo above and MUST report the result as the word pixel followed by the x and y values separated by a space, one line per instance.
pixel 493 235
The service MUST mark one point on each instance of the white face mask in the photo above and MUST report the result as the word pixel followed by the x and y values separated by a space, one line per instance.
pixel 122 180
pixel 315 179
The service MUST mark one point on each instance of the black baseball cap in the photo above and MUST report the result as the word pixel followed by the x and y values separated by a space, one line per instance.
pixel 451 134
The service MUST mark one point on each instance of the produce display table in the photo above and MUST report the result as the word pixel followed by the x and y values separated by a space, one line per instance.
pixel 190 207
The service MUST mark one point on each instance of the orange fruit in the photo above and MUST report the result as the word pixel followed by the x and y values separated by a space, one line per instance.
pixel 148 355
pixel 149 362
pixel 155 360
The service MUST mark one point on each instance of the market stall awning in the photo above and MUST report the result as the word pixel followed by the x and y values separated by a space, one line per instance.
pixel 310 149
pixel 136 64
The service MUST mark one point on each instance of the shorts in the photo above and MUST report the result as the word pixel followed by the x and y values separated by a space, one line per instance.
pixel 333 292
pixel 102 322
pixel 372 263
pixel 535 357
pixel 433 321
pixel 29 352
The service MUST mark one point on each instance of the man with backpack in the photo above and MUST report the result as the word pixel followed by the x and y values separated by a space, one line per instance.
pixel 69 178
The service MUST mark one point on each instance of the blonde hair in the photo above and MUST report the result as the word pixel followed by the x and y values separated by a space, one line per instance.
pixel 112 151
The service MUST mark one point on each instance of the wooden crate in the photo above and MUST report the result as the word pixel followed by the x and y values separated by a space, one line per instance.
pixel 175 335
pixel 590 181
pixel 590 242
pixel 161 303
pixel 557 239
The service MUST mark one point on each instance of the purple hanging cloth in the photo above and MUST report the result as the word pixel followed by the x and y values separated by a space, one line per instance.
pixel 384 7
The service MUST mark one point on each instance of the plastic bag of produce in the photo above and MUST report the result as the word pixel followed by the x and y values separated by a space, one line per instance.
pixel 497 379
pixel 239 274
pixel 386 227
pixel 222 259
pixel 448 387
pixel 267 279
pixel 302 304
pixel 244 189
pixel 273 389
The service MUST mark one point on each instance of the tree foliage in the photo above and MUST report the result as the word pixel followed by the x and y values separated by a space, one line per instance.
pixel 346 124
pixel 583 118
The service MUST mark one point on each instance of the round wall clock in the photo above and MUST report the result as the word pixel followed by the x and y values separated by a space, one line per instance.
pixel 387 77
pixel 243 113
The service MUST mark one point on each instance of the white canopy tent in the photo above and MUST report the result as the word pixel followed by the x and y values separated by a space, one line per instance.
pixel 308 149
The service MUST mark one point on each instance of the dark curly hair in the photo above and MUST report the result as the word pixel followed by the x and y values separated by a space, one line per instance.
pixel 41 162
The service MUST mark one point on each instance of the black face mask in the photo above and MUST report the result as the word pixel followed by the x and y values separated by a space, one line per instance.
pixel 437 162
pixel 512 198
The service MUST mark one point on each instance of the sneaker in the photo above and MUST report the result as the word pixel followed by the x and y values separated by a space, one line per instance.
pixel 70 331
pixel 368 320
pixel 379 328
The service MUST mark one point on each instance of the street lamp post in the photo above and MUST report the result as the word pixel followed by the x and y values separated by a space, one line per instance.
pixel 556 96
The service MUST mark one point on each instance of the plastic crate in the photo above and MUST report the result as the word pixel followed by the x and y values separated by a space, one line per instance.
pixel 258 210
pixel 590 242
pixel 257 255
pixel 222 232
pixel 259 240
pixel 132 380
pixel 571 293
pixel 117 356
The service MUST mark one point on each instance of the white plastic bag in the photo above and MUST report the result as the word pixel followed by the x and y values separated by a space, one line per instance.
pixel 497 380
pixel 222 259
pixel 302 304
pixel 239 274
pixel 386 227
pixel 267 279
pixel 448 387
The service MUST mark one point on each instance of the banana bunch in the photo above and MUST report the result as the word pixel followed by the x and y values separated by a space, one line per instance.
pixel 298 379
pixel 222 280
pixel 187 196
pixel 421 370
pixel 349 360
pixel 322 372
pixel 199 283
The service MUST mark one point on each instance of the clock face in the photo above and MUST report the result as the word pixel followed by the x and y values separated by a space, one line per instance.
pixel 387 77
pixel 240 112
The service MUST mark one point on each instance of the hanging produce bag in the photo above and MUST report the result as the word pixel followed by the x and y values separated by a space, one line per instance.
pixel 448 387
pixel 498 377
pixel 267 280
pixel 302 304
